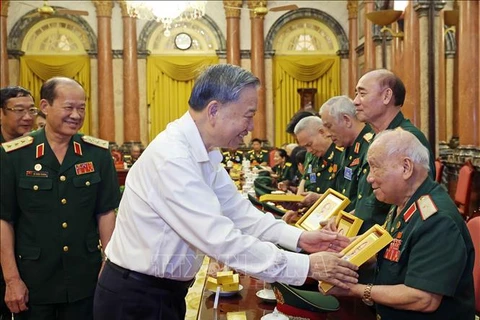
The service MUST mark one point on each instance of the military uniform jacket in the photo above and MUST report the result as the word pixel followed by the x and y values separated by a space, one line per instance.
pixel 260 157
pixel 236 157
pixel 320 173
pixel 285 173
pixel 431 251
pixel 368 208
pixel 347 176
pixel 54 211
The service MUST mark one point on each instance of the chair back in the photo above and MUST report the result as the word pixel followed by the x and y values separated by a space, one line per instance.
pixel 474 228
pixel 464 189
pixel 438 170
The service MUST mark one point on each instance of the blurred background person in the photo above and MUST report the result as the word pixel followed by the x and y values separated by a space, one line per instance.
pixel 40 120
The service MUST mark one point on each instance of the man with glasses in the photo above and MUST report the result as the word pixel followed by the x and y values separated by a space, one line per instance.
pixel 18 112
pixel 58 193
pixel 17 116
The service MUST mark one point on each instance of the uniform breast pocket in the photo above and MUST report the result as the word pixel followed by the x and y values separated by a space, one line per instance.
pixel 34 192
pixel 86 186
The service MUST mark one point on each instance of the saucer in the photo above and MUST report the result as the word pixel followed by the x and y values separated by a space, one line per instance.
pixel 274 316
pixel 228 293
pixel 267 295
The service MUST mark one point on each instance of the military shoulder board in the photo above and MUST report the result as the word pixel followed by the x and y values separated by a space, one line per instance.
pixel 17 143
pixel 368 136
pixel 95 141
pixel 427 207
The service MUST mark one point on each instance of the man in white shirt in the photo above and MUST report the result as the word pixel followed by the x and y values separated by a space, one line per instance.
pixel 180 204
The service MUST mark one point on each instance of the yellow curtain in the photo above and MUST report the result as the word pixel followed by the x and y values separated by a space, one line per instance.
pixel 35 70
pixel 169 84
pixel 293 72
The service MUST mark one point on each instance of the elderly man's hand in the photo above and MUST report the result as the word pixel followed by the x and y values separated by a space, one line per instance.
pixel 310 198
pixel 16 295
pixel 337 291
pixel 322 240
pixel 290 216
pixel 329 267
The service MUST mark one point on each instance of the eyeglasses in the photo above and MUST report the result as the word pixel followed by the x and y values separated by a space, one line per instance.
pixel 22 111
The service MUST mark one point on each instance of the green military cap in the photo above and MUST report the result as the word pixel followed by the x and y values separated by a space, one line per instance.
pixel 297 303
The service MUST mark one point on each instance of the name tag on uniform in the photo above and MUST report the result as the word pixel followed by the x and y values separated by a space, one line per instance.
pixel 347 174
pixel 313 177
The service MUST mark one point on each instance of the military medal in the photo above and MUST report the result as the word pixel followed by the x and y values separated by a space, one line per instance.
pixel 37 167
pixel 83 168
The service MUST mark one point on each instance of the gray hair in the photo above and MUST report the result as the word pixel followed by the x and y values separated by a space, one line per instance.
pixel 338 106
pixel 309 123
pixel 221 82
pixel 398 142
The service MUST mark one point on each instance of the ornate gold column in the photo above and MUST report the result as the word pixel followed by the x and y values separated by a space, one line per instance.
pixel 468 75
pixel 4 81
pixel 258 65
pixel 352 7
pixel 106 114
pixel 369 46
pixel 422 10
pixel 233 13
pixel 411 107
pixel 131 116
pixel 442 92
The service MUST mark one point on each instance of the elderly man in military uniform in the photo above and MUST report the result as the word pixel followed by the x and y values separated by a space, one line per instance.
pixel 380 96
pixel 257 155
pixel 58 190
pixel 233 155
pixel 426 272
pixel 18 113
pixel 322 165
pixel 345 130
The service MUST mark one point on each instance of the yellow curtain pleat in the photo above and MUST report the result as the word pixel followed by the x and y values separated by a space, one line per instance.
pixel 294 72
pixel 35 70
pixel 169 84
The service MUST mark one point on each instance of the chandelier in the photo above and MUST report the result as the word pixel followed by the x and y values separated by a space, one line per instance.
pixel 166 11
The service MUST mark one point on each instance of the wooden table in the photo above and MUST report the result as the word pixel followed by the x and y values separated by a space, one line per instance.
pixel 246 300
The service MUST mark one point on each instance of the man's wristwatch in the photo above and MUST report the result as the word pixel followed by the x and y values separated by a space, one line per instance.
pixel 367 298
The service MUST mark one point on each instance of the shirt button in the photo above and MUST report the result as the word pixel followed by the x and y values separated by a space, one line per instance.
pixel 319 174
pixel 364 171
pixel 63 178
pixel 318 189
pixel 64 201
pixel 343 191
pixel 359 196
pixel 87 183
pixel 64 225
pixel 35 187
pixel 65 249
pixel 350 158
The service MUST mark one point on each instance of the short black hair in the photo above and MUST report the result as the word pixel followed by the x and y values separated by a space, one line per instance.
pixel 256 140
pixel 48 89
pixel 296 118
pixel 10 92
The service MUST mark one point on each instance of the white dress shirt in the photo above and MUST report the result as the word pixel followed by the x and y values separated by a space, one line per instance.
pixel 179 204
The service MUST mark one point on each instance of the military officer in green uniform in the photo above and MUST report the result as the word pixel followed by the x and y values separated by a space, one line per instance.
pixel 257 155
pixel 345 130
pixel 320 173
pixel 59 190
pixel 380 96
pixel 426 272
pixel 18 114
pixel 233 155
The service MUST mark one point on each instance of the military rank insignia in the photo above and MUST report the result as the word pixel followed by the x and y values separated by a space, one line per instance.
pixel 83 168
pixel 40 151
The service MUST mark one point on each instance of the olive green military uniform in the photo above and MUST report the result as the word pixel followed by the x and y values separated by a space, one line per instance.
pixel 347 176
pixel 287 172
pixel 236 157
pixel 260 157
pixel 320 173
pixel 4 311
pixel 431 251
pixel 368 208
pixel 54 209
